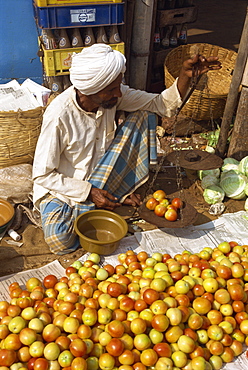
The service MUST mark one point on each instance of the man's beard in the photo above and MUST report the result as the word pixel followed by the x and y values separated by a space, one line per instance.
pixel 109 104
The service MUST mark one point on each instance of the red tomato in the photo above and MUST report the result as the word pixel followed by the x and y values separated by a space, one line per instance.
pixel 49 281
pixel 177 202
pixel 170 206
pixel 171 215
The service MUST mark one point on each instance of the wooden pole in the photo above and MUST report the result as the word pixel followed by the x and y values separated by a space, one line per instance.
pixel 232 97
pixel 238 147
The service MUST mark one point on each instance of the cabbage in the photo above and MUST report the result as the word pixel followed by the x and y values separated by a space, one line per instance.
pixel 230 160
pixel 243 166
pixel 246 189
pixel 213 194
pixel 203 173
pixel 246 205
pixel 209 180
pixel 230 167
pixel 233 184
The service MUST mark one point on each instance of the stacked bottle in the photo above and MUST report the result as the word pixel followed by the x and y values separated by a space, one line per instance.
pixel 75 38
pixel 156 40
pixel 173 37
pixel 182 37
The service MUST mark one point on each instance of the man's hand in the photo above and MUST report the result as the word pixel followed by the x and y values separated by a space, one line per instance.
pixel 103 199
pixel 194 67
pixel 200 64
pixel 133 200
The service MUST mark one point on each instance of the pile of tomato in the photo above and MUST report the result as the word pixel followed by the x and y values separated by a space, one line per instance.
pixel 153 312
pixel 163 207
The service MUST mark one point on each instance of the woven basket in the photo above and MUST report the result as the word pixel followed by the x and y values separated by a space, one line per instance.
pixel 209 98
pixel 19 133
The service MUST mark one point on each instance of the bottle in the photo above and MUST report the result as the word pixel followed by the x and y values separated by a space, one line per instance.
pixel 114 37
pixel 89 38
pixel 76 39
pixel 173 37
pixel 101 36
pixel 56 35
pixel 182 38
pixel 66 82
pixel 64 41
pixel 165 42
pixel 48 39
pixel 156 39
pixel 56 84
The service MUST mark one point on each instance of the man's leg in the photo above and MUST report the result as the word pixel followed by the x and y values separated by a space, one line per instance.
pixel 58 223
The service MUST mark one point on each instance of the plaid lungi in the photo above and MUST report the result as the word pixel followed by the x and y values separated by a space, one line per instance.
pixel 122 169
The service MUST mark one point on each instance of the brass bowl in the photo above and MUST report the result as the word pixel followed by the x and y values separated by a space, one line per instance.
pixel 100 231
pixel 7 213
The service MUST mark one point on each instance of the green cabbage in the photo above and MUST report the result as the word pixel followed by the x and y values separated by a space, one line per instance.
pixel 230 167
pixel 233 184
pixel 209 180
pixel 230 160
pixel 246 205
pixel 215 172
pixel 213 194
pixel 246 189
pixel 243 166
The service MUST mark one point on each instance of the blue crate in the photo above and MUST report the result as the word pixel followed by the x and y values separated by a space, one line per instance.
pixel 80 15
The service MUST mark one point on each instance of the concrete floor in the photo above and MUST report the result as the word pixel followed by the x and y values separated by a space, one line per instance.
pixel 219 22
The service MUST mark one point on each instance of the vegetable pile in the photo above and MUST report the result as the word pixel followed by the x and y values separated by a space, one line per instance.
pixel 156 312
pixel 230 181
pixel 163 207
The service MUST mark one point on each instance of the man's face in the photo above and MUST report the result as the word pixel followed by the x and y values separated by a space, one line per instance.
pixel 108 97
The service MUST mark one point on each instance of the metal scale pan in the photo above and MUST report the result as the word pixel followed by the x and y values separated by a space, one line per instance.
pixel 186 217
pixel 195 159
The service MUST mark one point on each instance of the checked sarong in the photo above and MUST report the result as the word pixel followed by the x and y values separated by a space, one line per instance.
pixel 122 169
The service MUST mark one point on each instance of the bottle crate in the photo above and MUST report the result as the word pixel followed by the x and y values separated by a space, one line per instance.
pixel 86 15
pixel 42 3
pixel 176 16
pixel 57 62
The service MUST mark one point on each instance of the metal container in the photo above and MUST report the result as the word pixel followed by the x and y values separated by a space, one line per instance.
pixel 7 213
pixel 100 231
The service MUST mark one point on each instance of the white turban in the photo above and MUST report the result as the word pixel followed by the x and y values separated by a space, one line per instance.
pixel 96 67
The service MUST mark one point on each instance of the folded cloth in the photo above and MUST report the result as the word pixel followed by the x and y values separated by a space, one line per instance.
pixel 122 169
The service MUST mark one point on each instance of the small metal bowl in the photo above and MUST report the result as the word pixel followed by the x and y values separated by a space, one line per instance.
pixel 7 213
pixel 100 231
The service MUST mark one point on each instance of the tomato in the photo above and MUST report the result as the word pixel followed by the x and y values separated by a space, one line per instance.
pixel 171 215
pixel 49 281
pixel 170 206
pixel 159 194
pixel 152 203
pixel 177 202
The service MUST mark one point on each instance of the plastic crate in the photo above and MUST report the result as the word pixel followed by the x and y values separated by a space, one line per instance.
pixel 71 2
pixel 57 62
pixel 86 15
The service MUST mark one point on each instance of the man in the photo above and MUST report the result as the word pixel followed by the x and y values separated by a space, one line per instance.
pixel 83 160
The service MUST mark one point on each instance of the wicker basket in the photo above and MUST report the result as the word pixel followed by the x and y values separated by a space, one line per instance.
pixel 209 98
pixel 19 133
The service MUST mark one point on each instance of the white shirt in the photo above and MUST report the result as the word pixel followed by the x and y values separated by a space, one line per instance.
pixel 72 140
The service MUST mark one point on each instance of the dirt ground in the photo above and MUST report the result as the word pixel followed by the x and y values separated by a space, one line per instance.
pixel 212 26
pixel 35 253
